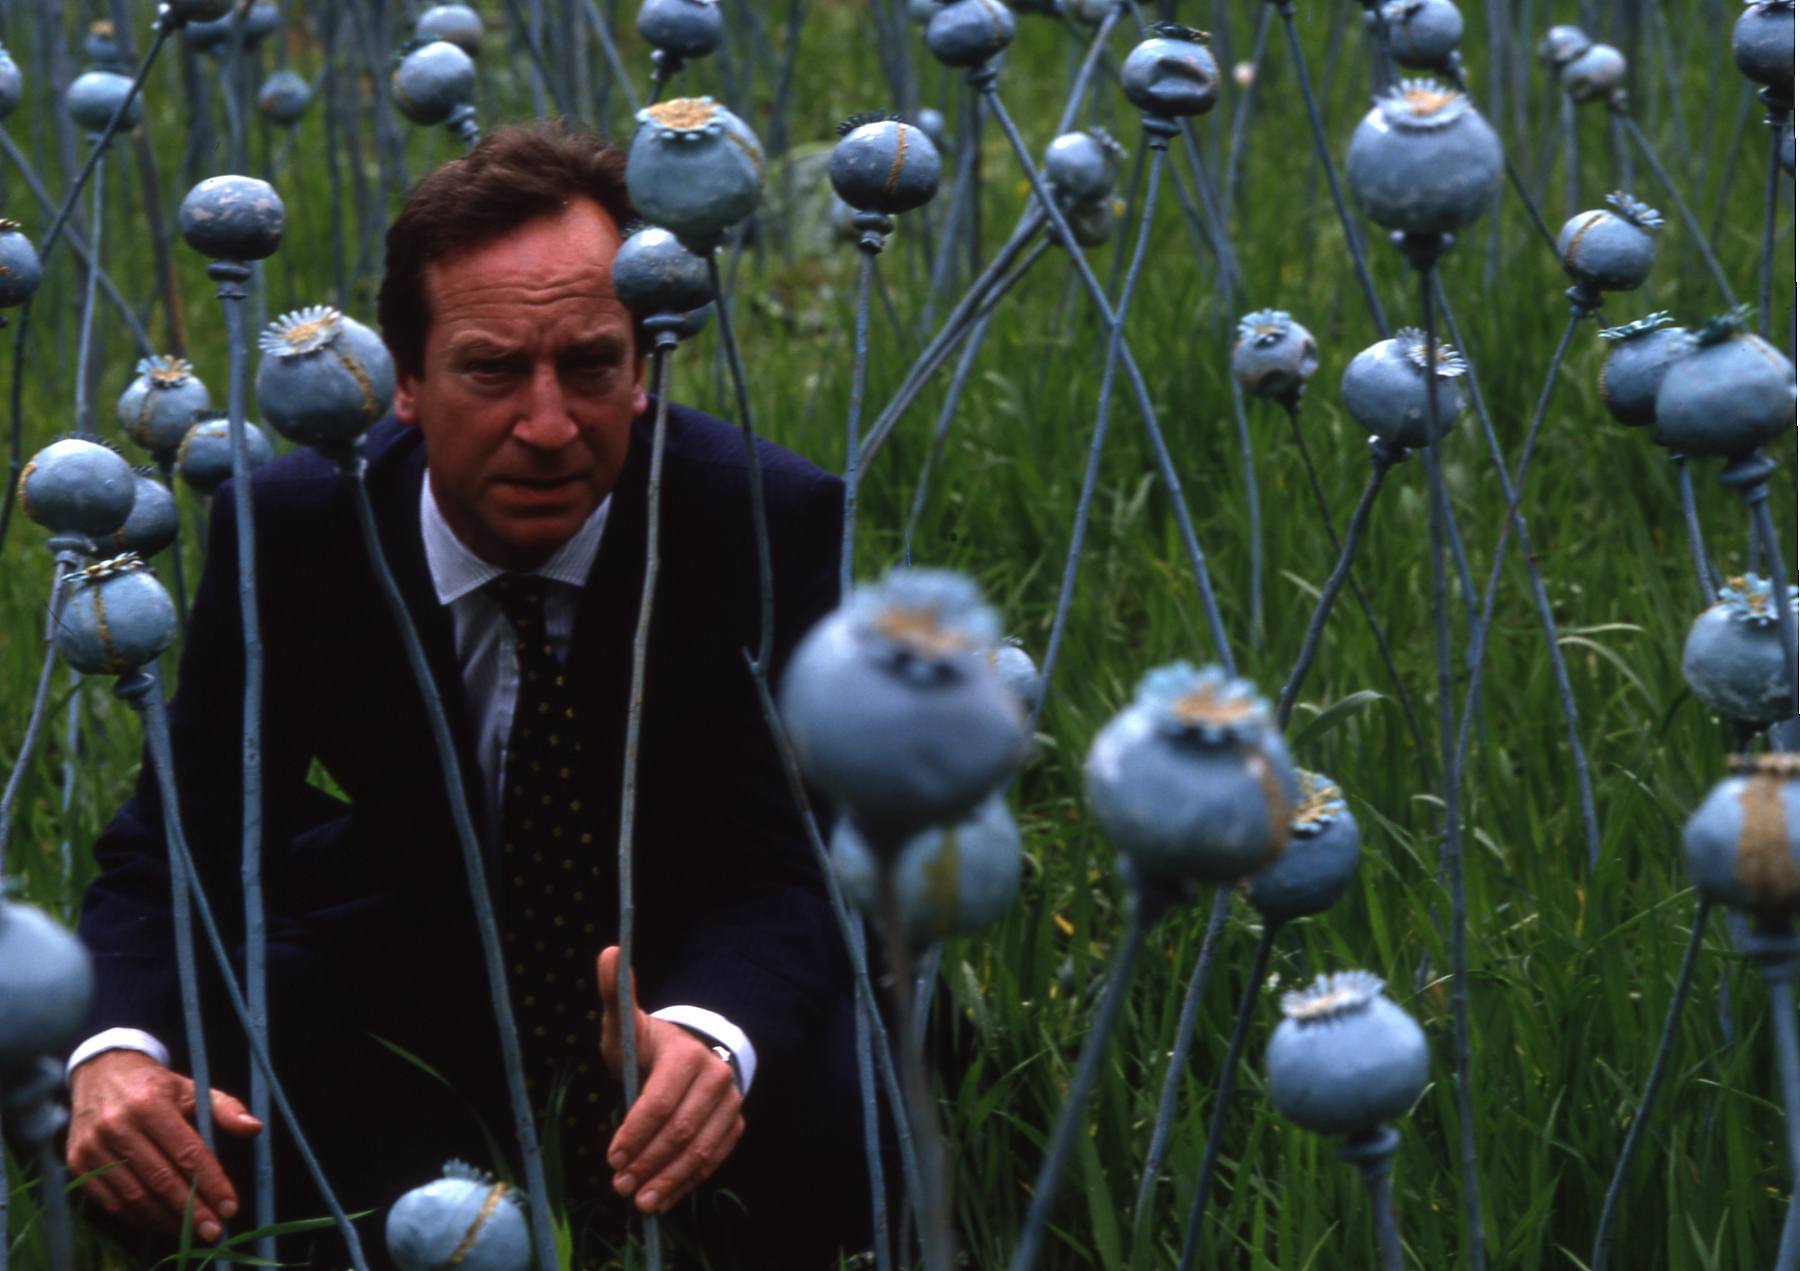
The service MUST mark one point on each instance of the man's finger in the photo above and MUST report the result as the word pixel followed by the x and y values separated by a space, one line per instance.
pixel 696 1163
pixel 612 1045
pixel 231 1116
pixel 656 1102
pixel 152 1186
pixel 181 1144
pixel 712 1091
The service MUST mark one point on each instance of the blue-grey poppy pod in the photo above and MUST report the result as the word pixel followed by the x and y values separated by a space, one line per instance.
pixel 1610 249
pixel 204 457
pixel 1094 223
pixel 1172 74
pixel 1386 391
pixel 154 519
pixel 952 880
pixel 694 168
pixel 20 269
pixel 969 32
pixel 324 377
pixel 101 46
pixel 1734 393
pixel 12 84
pixel 1733 659
pixel 920 12
pixel 233 218
pixel 1345 1058
pixel 77 486
pixel 432 79
pixel 1742 844
pixel 682 28
pixel 1018 671
pixel 1595 75
pixel 1422 34
pixel 1191 780
pixel 260 20
pixel 457 23
pixel 1273 356
pixel 694 321
pixel 883 165
pixel 1088 12
pixel 463 1219
pixel 1562 45
pixel 94 97
pixel 46 987
pixel 1641 353
pixel 895 710
pixel 1762 44
pixel 284 97
pixel 115 618
pixel 930 121
pixel 1082 166
pixel 1423 160
pixel 653 273
pixel 1324 845
pixel 158 407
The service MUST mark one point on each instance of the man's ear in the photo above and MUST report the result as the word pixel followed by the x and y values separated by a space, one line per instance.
pixel 406 407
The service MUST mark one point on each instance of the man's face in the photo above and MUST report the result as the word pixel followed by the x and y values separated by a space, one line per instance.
pixel 529 387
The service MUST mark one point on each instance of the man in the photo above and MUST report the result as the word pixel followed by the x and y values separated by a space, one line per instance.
pixel 509 491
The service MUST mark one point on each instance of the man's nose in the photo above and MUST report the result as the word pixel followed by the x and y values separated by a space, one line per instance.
pixel 543 422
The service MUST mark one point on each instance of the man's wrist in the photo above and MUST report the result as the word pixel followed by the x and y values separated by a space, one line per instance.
pixel 717 1031
pixel 116 1039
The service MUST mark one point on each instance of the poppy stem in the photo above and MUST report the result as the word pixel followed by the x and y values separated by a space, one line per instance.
pixel 67 558
pixel 1690 520
pixel 1373 1155
pixel 1681 207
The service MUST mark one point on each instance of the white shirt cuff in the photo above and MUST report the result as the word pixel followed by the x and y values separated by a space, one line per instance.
pixel 715 1027
pixel 117 1039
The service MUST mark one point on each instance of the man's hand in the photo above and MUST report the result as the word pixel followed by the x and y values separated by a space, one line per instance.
pixel 127 1107
pixel 688 1115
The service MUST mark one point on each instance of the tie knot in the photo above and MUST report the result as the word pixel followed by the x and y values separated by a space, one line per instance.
pixel 521 599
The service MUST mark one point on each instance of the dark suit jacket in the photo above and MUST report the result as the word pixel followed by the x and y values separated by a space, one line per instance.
pixel 371 930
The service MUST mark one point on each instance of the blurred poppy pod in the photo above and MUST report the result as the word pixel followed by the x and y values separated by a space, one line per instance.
pixel 158 407
pixel 1562 45
pixel 324 377
pixel 1082 167
pixel 1733 659
pixel 895 710
pixel 77 486
pixel 1093 223
pixel 1191 780
pixel 653 273
pixel 694 168
pixel 682 28
pixel 457 23
pixel 930 121
pixel 1595 75
pixel 969 32
pixel 464 1219
pixel 1171 74
pixel 233 218
pixel 115 618
pixel 261 20
pixel 1743 842
pixel 883 165
pixel 204 458
pixel 1274 356
pixel 284 97
pixel 1762 44
pixel 919 12
pixel 1088 12
pixel 1386 391
pixel 12 84
pixel 952 880
pixel 1345 1058
pixel 1610 250
pixel 46 986
pixel 101 46
pixel 1641 354
pixel 431 79
pixel 1733 394
pixel 1422 34
pixel 20 270
pixel 1018 671
pixel 94 97
pixel 1423 160
pixel 1324 845
pixel 154 520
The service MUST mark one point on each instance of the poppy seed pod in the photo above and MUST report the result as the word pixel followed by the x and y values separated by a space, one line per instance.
pixel 12 84
pixel 1562 45
pixel 1595 75
pixel 1346 1058
pixel 233 218
pixel 895 710
pixel 284 97
pixel 260 21
pixel 1762 44
pixel 158 407
pixel 952 880
pixel 1082 166
pixel 101 46
pixel 1612 250
pixel 204 457
pixel 930 121
pixel 1385 389
pixel 432 79
pixel 1734 393
pixel 1423 160
pixel 1018 671
pixel 1088 12
pixel 1273 356
pixel 464 1219
pixel 324 378
pixel 1171 74
pixel 154 520
pixel 653 273
pixel 694 168
pixel 95 97
pixel 1742 843
pixel 115 618
pixel 969 32
pixel 919 12
pixel 1093 223
pixel 883 165
pixel 1324 845
pixel 1191 780
pixel 1733 659
pixel 46 986
pixel 1640 356
pixel 77 486
pixel 1422 34
pixel 20 269
pixel 457 23
pixel 683 28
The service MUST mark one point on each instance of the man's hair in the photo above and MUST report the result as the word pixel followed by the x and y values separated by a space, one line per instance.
pixel 517 173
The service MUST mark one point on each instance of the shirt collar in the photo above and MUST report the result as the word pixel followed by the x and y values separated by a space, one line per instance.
pixel 456 571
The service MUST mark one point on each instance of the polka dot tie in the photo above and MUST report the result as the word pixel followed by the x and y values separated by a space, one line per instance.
pixel 553 875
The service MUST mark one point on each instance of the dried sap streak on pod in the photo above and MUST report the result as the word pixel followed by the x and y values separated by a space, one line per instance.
pixel 116 618
pixel 1609 249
